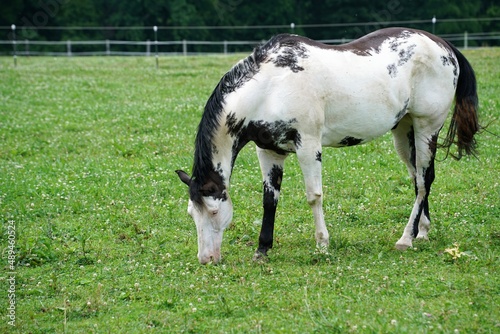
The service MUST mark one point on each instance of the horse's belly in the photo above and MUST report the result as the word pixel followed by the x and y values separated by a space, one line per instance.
pixel 354 127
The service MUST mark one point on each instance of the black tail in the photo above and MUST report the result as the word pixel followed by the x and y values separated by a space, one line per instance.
pixel 464 123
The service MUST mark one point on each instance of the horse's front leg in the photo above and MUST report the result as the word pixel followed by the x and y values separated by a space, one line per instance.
pixel 309 156
pixel 271 165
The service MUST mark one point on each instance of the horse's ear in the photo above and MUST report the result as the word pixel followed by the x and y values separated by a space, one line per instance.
pixel 184 177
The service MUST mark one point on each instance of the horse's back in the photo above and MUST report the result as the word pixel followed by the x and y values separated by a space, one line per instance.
pixel 359 89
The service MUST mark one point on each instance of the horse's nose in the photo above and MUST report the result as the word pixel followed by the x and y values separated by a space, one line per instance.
pixel 206 259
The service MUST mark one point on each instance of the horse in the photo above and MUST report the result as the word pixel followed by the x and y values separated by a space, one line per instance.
pixel 296 95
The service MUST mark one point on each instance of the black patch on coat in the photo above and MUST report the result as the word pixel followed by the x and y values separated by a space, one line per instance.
pixel 393 70
pixel 413 160
pixel 350 141
pixel 285 50
pixel 275 176
pixel 233 124
pixel 399 40
pixel 401 114
pixel 372 43
pixel 289 53
pixel 404 55
pixel 266 135
pixel 414 231
pixel 429 176
pixel 411 144
pixel 318 156
pixel 450 61
pixel 455 65
pixel 213 186
pixel 270 203
pixel 445 60
pixel 394 45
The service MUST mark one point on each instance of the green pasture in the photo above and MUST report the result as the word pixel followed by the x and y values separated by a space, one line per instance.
pixel 103 242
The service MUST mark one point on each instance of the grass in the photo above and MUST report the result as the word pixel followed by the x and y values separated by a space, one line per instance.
pixel 88 149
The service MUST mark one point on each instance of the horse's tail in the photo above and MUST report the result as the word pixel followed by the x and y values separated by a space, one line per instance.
pixel 464 123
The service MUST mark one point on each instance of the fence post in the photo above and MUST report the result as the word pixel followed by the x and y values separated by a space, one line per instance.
pixel 155 28
pixel 466 40
pixel 13 27
pixel 148 48
pixel 68 48
pixel 184 47
pixel 108 48
pixel 225 47
pixel 27 47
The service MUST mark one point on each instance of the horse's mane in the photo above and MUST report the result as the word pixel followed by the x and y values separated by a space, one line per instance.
pixel 235 78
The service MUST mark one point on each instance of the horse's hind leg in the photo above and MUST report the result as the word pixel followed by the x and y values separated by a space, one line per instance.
pixel 404 142
pixel 271 165
pixel 309 156
pixel 416 145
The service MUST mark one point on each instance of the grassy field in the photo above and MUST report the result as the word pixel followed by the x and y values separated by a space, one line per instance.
pixel 103 243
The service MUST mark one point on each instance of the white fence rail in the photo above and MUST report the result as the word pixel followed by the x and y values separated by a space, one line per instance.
pixel 184 47
pixel 112 47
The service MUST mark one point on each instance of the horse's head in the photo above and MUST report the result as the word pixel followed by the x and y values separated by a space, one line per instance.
pixel 212 211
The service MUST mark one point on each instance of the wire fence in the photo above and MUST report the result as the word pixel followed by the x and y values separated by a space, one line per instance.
pixel 148 48
pixel 21 46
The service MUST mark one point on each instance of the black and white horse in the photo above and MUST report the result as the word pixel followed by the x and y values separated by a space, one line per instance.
pixel 295 95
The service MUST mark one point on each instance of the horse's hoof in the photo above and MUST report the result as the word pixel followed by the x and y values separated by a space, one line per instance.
pixel 422 236
pixel 404 243
pixel 260 257
pixel 402 246
pixel 322 249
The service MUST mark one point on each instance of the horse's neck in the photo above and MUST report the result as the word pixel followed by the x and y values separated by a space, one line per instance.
pixel 215 155
pixel 223 155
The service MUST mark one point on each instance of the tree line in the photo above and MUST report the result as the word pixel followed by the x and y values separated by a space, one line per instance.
pixel 34 17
